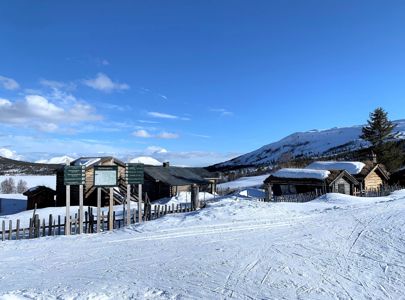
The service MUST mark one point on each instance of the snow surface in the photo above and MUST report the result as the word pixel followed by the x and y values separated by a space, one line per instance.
pixel 183 197
pixel 147 160
pixel 336 247
pixel 244 182
pixel 33 180
pixel 302 173
pixel 352 167
pixel 310 144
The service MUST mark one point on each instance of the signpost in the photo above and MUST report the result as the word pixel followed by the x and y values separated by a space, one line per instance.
pixel 106 176
pixel 134 174
pixel 74 175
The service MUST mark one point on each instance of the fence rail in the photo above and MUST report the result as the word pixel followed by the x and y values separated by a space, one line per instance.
pixel 55 225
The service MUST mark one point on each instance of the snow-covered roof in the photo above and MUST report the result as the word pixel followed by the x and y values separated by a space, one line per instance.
pixel 87 161
pixel 351 167
pixel 302 173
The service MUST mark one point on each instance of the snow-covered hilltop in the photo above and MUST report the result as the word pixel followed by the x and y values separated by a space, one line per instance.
pixel 65 160
pixel 147 160
pixel 314 143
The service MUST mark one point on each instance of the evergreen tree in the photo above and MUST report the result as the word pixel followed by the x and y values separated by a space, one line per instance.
pixel 380 132
pixel 379 129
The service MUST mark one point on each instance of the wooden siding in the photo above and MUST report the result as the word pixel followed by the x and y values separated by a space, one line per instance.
pixel 373 181
pixel 347 189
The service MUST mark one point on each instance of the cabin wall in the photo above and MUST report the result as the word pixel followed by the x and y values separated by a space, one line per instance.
pixel 373 181
pixel 290 189
pixel 42 200
pixel 345 186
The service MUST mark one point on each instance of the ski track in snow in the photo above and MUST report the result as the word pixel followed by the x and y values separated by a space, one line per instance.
pixel 234 249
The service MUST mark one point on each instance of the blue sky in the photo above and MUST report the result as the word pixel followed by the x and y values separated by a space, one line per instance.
pixel 194 82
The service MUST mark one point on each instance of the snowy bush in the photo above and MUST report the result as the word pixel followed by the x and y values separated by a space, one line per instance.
pixel 8 186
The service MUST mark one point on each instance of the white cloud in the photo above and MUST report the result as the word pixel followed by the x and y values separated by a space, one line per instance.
pixel 155 150
pixel 222 111
pixel 161 115
pixel 9 83
pixel 38 112
pixel 141 133
pixel 167 135
pixel 103 83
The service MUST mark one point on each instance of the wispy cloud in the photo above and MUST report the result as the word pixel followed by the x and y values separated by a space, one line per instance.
pixel 148 122
pixel 143 133
pixel 160 115
pixel 9 83
pixel 103 83
pixel 201 135
pixel 222 111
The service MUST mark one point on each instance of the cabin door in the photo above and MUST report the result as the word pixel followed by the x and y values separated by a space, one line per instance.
pixel 341 189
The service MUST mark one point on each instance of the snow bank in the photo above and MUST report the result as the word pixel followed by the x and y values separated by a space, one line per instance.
pixel 352 167
pixel 183 197
pixel 302 173
pixel 244 182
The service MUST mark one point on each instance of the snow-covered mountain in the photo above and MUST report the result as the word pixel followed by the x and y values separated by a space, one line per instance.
pixel 147 160
pixel 57 160
pixel 314 143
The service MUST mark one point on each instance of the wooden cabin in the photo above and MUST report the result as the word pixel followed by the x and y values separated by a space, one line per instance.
pixel 372 177
pixel 166 181
pixel 398 177
pixel 90 191
pixel 42 196
pixel 297 181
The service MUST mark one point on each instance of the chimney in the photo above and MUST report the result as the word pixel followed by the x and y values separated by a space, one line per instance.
pixel 374 157
pixel 166 164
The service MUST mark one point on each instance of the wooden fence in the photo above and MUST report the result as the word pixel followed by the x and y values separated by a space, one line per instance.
pixel 55 225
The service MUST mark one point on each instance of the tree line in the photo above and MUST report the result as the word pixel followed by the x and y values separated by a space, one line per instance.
pixel 8 186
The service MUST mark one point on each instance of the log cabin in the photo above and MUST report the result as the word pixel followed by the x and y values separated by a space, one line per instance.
pixel 90 191
pixel 166 181
pixel 370 175
pixel 398 177
pixel 298 181
pixel 41 196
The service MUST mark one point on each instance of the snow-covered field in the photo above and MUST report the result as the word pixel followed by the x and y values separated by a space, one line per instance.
pixel 335 247
pixel 244 182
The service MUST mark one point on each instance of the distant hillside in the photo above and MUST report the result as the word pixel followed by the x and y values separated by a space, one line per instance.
pixel 307 145
pixel 16 167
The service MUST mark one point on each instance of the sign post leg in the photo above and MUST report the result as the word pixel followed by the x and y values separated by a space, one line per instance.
pixel 128 204
pixel 98 209
pixel 81 212
pixel 111 210
pixel 140 203
pixel 67 226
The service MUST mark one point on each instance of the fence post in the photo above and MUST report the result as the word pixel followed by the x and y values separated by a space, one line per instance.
pixel 17 234
pixel 10 229
pixel 50 225
pixel 3 231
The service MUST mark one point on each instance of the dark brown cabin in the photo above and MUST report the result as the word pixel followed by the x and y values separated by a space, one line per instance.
pixel 42 196
pixel 398 177
pixel 338 181
pixel 166 181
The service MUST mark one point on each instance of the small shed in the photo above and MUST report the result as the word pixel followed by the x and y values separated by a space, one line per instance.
pixel 42 196
pixel 373 176
pixel 290 181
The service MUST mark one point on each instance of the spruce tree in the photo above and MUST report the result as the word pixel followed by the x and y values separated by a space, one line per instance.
pixel 379 129
pixel 380 132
